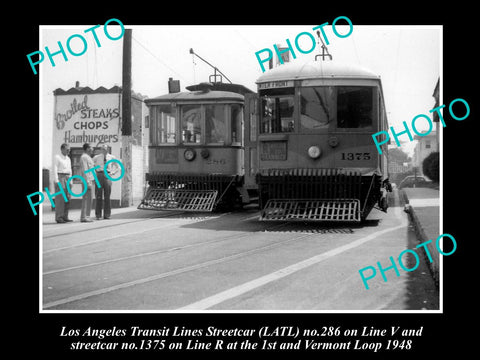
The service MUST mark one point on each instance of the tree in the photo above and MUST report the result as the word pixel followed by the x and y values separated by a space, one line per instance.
pixel 431 166
pixel 398 156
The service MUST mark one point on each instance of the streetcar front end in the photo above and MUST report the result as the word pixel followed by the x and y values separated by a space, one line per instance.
pixel 195 151
pixel 316 158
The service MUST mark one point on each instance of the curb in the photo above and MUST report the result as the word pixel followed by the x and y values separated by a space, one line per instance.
pixel 417 225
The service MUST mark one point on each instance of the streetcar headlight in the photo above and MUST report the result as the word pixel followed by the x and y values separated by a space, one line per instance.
pixel 333 141
pixel 314 152
pixel 189 154
pixel 205 153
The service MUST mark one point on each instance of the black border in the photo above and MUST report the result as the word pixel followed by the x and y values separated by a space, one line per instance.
pixel 450 332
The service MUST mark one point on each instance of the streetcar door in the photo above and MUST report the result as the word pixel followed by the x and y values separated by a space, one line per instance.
pixel 250 139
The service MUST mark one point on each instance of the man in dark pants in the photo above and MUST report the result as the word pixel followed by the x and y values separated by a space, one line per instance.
pixel 62 170
pixel 102 192
pixel 86 163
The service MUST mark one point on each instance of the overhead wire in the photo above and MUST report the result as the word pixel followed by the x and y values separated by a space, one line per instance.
pixel 355 50
pixel 158 59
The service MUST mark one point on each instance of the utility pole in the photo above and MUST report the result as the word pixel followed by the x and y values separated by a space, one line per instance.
pixel 127 198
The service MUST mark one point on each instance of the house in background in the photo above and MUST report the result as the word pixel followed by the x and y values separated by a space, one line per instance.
pixel 425 146
pixel 431 142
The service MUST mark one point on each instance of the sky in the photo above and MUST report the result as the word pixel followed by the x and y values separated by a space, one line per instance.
pixel 407 58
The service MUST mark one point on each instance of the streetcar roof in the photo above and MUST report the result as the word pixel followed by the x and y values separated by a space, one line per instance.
pixel 197 96
pixel 219 86
pixel 315 70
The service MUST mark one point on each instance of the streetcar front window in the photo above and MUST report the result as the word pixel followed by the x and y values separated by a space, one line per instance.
pixel 277 111
pixel 163 126
pixel 354 107
pixel 317 106
pixel 215 124
pixel 191 120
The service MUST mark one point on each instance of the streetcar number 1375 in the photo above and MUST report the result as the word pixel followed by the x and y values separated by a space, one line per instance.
pixel 356 156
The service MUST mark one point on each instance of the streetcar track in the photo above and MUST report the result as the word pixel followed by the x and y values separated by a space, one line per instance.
pixel 110 237
pixel 117 236
pixel 167 250
pixel 170 273
pixel 224 259
pixel 111 224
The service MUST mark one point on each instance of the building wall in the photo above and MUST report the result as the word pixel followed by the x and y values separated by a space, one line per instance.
pixel 94 116
pixel 87 117
pixel 138 173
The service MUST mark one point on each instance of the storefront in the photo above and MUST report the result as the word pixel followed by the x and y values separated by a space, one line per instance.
pixel 83 115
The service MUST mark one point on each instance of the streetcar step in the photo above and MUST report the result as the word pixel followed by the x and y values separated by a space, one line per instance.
pixel 311 210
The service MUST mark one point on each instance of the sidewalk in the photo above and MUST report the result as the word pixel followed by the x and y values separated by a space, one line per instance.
pixel 423 206
pixel 48 216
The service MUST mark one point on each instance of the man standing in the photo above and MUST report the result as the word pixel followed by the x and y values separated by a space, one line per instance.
pixel 62 170
pixel 102 192
pixel 86 163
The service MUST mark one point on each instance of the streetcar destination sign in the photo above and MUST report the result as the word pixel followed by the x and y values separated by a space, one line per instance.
pixel 275 84
pixel 273 150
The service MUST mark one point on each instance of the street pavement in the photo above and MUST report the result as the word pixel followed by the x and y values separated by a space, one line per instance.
pixel 176 261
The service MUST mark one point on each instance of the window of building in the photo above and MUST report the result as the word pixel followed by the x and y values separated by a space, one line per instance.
pixel 191 116
pixel 75 154
pixel 354 107
pixel 147 121
pixel 163 125
pixel 215 124
pixel 427 144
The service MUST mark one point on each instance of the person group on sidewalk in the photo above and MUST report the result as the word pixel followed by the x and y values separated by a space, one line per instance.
pixel 102 185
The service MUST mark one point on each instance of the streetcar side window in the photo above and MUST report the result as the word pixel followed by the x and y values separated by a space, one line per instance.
pixel 317 106
pixel 215 124
pixel 163 127
pixel 191 120
pixel 236 117
pixel 354 107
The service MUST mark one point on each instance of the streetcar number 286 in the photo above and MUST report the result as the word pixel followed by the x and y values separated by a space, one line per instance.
pixel 355 156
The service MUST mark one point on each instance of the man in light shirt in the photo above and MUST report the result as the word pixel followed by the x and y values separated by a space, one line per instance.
pixel 86 163
pixel 62 170
pixel 102 193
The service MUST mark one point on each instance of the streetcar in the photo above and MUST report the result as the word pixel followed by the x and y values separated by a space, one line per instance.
pixel 316 157
pixel 301 146
pixel 196 153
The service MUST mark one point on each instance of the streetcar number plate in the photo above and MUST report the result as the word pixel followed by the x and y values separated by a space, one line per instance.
pixel 273 150
pixel 166 156
pixel 356 156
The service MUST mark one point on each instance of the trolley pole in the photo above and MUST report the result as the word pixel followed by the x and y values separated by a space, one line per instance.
pixel 126 197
